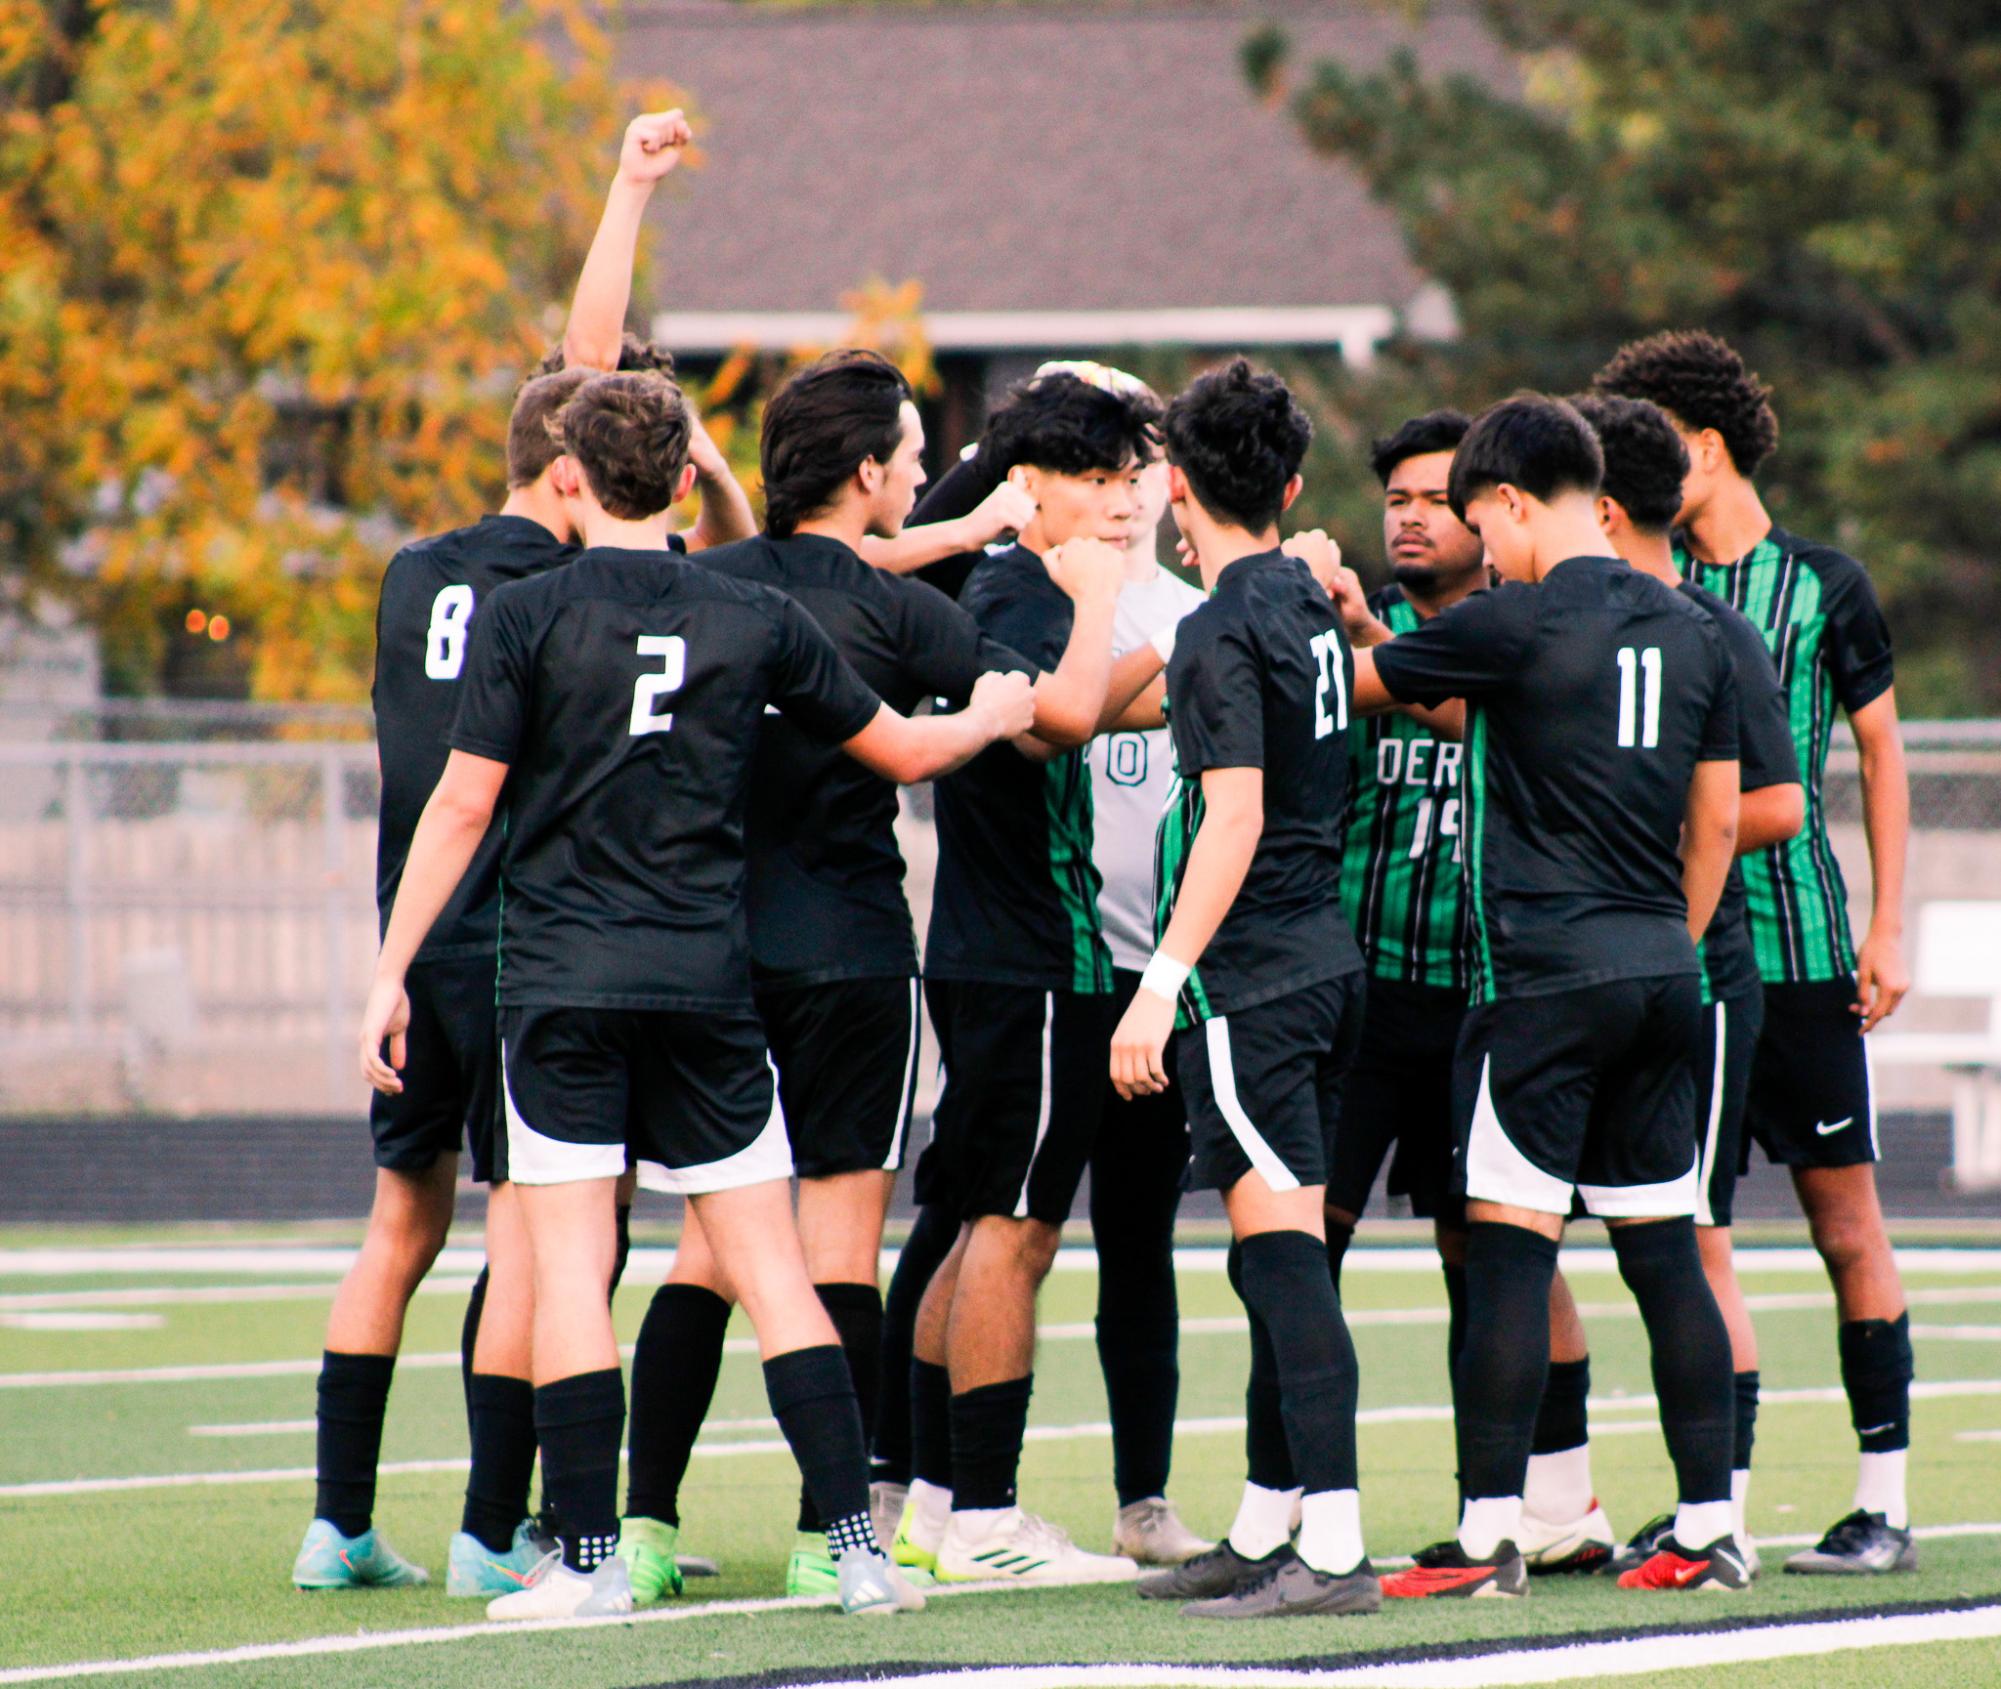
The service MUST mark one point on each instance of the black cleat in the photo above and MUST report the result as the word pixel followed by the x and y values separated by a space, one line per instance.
pixel 1293 1589
pixel 1862 1545
pixel 1221 1571
pixel 1642 1546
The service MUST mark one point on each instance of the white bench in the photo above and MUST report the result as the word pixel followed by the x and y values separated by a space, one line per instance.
pixel 1959 955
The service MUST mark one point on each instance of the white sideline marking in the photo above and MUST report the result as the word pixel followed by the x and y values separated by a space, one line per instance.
pixel 256 1428
pixel 80 1320
pixel 1960 1333
pixel 1976 1436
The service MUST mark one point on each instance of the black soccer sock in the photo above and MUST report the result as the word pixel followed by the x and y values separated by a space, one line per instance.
pixel 1455 1329
pixel 856 1310
pixel 353 1398
pixel 988 1425
pixel 469 1337
pixel 930 1241
pixel 1876 1371
pixel 931 1424
pixel 1338 1239
pixel 1286 1282
pixel 813 1399
pixel 1691 1352
pixel 1560 1421
pixel 624 1249
pixel 577 1422
pixel 503 1458
pixel 1267 1455
pixel 1499 1377
pixel 1746 1390
pixel 674 1370
pixel 1138 1327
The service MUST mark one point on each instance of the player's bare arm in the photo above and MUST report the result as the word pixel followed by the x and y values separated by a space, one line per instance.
pixel 654 144
pixel 1769 816
pixel 1881 975
pixel 1003 513
pixel 1708 841
pixel 909 749
pixel 1233 820
pixel 448 833
pixel 1070 700
pixel 726 514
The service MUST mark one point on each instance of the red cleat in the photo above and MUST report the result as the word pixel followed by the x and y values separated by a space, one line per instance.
pixel 1446 1569
pixel 1719 1568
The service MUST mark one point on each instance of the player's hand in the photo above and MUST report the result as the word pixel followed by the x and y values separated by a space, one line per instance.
pixel 1006 510
pixel 1881 978
pixel 703 452
pixel 385 1019
pixel 1319 553
pixel 1004 701
pixel 653 145
pixel 1086 568
pixel 1140 1044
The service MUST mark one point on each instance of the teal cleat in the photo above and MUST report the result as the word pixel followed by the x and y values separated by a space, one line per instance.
pixel 473 1569
pixel 328 1560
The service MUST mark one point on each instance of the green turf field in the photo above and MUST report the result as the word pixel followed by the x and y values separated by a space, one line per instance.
pixel 192 1372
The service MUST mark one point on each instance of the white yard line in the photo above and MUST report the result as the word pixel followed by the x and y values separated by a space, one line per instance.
pixel 78 1319
pixel 1960 1333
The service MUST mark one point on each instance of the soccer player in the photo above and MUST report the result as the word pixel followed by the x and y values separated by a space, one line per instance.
pixel 1018 981
pixel 1601 785
pixel 1811 1103
pixel 833 957
pixel 1563 1528
pixel 1257 967
pixel 615 704
pixel 1403 884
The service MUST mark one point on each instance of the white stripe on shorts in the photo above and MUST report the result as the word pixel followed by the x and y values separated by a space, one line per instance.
pixel 1048 1098
pixel 767 1157
pixel 1498 1172
pixel 906 1096
pixel 1869 1079
pixel 534 1158
pixel 1223 1079
pixel 1705 1163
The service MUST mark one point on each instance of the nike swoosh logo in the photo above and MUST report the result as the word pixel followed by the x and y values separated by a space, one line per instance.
pixel 1873 1430
pixel 1826 1130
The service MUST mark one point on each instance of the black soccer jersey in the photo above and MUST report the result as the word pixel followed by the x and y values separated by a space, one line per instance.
pixel 1590 699
pixel 422 621
pixel 626 693
pixel 1016 898
pixel 826 879
pixel 1261 678
pixel 1764 758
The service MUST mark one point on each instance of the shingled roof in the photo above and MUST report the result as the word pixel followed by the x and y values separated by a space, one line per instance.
pixel 1043 171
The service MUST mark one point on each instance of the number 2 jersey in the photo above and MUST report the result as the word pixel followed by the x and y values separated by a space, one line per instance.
pixel 1261 678
pixel 1590 698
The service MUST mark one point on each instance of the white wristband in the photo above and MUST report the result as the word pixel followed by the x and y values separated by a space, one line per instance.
pixel 1163 642
pixel 1164 976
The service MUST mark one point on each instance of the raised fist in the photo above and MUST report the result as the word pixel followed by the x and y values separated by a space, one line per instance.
pixel 1083 567
pixel 653 146
pixel 1005 510
pixel 1005 700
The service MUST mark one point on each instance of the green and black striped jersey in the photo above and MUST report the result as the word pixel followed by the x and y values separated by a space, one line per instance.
pixel 1403 882
pixel 1821 622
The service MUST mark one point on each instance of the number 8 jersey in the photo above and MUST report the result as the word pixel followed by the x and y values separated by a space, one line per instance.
pixel 1590 698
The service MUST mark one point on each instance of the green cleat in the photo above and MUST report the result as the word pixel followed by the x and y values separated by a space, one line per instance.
pixel 811 1570
pixel 647 1548
pixel 906 1552
pixel 472 1568
pixel 328 1560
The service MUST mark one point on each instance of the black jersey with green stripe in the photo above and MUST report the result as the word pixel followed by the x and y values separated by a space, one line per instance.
pixel 1260 678
pixel 1016 897
pixel 1402 881
pixel 1590 698
pixel 1821 622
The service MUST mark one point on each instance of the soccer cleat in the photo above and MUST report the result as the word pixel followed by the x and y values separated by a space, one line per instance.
pixel 553 1591
pixel 1717 1569
pixel 1151 1533
pixel 915 1545
pixel 1291 1588
pixel 1642 1545
pixel 1218 1572
pixel 885 1507
pixel 870 1587
pixel 471 1568
pixel 647 1548
pixel 1861 1545
pixel 1580 1545
pixel 328 1560
pixel 1023 1548
pixel 811 1570
pixel 1446 1569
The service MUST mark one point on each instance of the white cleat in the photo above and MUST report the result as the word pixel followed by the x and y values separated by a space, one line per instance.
pixel 553 1591
pixel 885 1508
pixel 1575 1545
pixel 872 1588
pixel 1151 1533
pixel 1024 1548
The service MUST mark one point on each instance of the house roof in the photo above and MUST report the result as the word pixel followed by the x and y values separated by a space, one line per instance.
pixel 1043 171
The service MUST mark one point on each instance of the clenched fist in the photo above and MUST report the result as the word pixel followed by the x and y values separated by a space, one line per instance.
pixel 1005 701
pixel 653 145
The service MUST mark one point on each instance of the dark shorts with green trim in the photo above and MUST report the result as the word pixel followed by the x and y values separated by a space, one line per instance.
pixel 1022 1098
pixel 1398 1104
pixel 451 1074
pixel 1812 1103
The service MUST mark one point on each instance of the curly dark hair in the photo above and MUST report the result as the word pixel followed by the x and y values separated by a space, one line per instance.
pixel 1702 382
pixel 1530 441
pixel 1645 461
pixel 1435 431
pixel 629 435
pixel 823 425
pixel 531 447
pixel 633 354
pixel 1070 427
pixel 1239 436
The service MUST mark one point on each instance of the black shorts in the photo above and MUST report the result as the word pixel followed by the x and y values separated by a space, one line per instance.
pixel 846 1054
pixel 1587 1093
pixel 686 1096
pixel 1141 1155
pixel 450 1091
pixel 1264 1085
pixel 1399 1098
pixel 1023 1093
pixel 1812 1101
pixel 1726 1044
